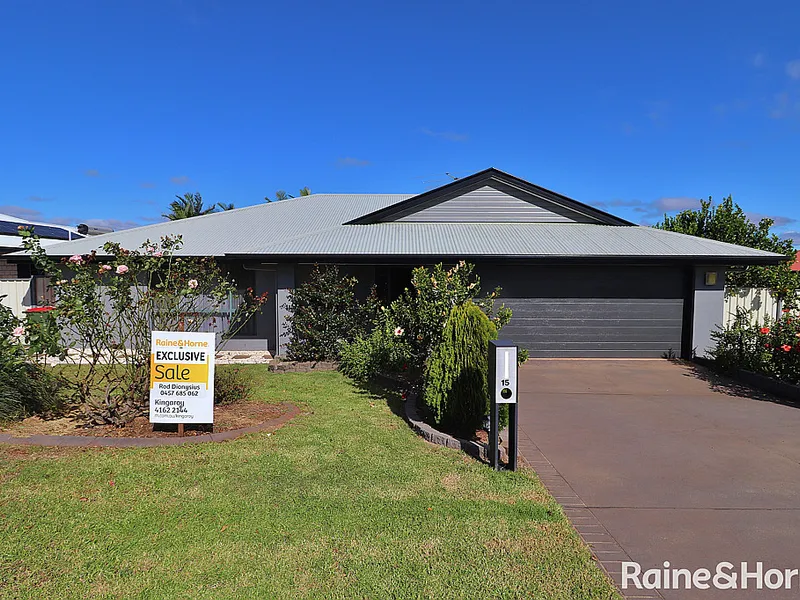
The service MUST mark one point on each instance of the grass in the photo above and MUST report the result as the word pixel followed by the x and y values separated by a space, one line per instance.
pixel 343 502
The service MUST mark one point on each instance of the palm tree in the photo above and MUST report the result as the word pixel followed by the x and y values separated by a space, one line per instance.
pixel 282 195
pixel 223 206
pixel 186 206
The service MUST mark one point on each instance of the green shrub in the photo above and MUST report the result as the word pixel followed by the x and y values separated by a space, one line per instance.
pixel 384 351
pixel 26 388
pixel 772 349
pixel 423 309
pixel 324 314
pixel 231 384
pixel 456 392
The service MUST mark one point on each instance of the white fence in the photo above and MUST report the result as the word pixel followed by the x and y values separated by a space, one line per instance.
pixel 18 295
pixel 759 304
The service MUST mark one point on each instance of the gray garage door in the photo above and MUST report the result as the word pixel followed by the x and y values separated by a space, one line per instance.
pixel 595 327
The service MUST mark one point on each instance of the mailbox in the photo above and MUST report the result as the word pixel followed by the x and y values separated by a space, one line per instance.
pixel 505 374
pixel 503 387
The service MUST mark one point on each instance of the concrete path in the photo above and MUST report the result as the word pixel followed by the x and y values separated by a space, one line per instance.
pixel 659 461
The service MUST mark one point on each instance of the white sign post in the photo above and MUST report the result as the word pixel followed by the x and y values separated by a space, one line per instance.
pixel 503 390
pixel 182 378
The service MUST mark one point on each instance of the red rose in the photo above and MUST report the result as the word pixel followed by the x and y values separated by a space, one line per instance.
pixel 765 330
pixel 786 348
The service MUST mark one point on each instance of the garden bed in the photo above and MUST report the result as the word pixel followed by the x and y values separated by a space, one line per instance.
pixel 770 385
pixel 229 417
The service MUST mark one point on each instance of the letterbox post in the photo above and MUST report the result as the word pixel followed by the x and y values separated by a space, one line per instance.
pixel 503 390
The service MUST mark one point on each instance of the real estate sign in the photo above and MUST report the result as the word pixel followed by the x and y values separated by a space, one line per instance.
pixel 182 377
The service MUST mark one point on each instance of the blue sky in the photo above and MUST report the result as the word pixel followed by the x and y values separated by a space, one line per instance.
pixel 109 109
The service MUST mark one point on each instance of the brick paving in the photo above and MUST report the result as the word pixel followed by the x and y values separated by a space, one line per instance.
pixel 657 461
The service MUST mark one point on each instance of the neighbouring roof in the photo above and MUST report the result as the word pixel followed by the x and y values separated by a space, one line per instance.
pixel 489 214
pixel 48 232
pixel 796 265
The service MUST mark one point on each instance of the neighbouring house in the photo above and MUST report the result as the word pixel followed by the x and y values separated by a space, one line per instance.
pixel 18 291
pixel 581 282
pixel 796 265
pixel 10 241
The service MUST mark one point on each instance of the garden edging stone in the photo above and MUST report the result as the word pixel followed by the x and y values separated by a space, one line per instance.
pixel 81 441
pixel 434 436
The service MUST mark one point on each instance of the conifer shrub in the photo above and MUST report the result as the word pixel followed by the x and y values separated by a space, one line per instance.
pixel 456 392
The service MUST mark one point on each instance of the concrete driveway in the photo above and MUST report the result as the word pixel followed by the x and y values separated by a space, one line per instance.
pixel 664 462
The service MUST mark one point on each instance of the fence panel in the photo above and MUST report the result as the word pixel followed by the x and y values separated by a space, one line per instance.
pixel 17 294
pixel 760 305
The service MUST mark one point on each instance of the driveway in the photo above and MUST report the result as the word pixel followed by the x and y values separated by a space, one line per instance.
pixel 659 461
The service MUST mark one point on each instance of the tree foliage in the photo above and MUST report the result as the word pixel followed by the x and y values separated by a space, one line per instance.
pixel 283 195
pixel 187 206
pixel 191 205
pixel 727 222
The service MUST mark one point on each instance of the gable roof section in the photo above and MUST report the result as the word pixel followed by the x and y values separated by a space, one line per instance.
pixel 490 196
pixel 322 227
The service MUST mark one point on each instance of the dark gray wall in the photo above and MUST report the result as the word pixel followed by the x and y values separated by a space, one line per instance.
pixel 591 311
pixel 365 274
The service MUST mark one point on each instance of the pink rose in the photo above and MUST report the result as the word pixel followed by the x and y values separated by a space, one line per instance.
pixel 193 284
pixel 107 267
pixel 18 331
pixel 122 269
pixel 159 254
pixel 76 258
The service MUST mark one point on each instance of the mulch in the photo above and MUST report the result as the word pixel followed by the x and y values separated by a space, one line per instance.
pixel 231 422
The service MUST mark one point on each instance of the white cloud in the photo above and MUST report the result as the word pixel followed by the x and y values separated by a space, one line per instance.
pixel 349 161
pixel 450 136
pixel 21 212
pixel 793 68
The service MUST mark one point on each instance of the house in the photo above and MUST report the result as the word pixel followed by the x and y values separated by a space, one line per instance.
pixel 796 264
pixel 10 241
pixel 581 282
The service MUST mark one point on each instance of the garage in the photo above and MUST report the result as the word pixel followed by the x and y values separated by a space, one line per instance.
pixel 595 312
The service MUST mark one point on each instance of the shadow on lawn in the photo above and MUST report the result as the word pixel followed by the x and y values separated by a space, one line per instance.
pixel 391 393
pixel 725 384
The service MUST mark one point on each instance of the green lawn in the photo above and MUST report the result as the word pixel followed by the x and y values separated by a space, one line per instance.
pixel 343 502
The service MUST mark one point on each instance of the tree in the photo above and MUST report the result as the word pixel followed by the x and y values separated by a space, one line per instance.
pixel 187 206
pixel 727 222
pixel 282 195
pixel 456 392
pixel 223 206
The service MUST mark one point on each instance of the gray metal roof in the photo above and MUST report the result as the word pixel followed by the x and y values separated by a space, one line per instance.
pixel 315 226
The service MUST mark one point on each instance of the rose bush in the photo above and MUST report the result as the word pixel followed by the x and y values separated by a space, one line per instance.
pixel 772 349
pixel 107 304
pixel 26 388
pixel 424 308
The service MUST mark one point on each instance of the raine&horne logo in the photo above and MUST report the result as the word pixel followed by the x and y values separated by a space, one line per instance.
pixel 724 576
